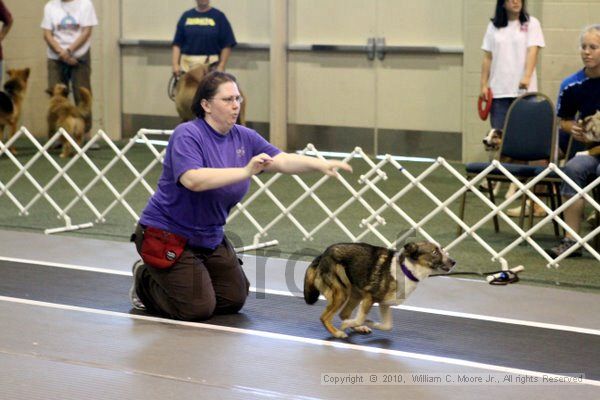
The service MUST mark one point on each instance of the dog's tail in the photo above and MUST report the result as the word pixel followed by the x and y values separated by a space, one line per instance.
pixel 85 107
pixel 85 104
pixel 311 293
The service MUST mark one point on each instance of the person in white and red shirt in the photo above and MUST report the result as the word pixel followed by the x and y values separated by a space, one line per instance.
pixel 67 26
pixel 510 45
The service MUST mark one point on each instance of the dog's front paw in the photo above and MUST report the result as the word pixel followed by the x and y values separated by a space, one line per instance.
pixel 340 334
pixel 362 329
pixel 380 326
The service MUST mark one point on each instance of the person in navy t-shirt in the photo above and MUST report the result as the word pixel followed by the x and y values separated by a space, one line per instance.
pixel 579 98
pixel 206 171
pixel 203 36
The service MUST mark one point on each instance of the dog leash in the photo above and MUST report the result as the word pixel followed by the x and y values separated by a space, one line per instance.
pixel 498 278
pixel 172 85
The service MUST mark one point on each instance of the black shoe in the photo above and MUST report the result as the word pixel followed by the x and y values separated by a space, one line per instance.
pixel 133 296
pixel 565 244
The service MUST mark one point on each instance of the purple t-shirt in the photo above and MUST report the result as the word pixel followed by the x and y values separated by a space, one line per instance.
pixel 201 216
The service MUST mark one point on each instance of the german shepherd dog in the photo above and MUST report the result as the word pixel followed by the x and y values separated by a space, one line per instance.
pixel 14 89
pixel 62 113
pixel 185 89
pixel 349 274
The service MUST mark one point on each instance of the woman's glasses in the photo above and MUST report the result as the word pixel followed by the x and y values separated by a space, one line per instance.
pixel 230 100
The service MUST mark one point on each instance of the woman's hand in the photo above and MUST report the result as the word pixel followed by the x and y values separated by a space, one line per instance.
pixel 66 57
pixel 578 133
pixel 330 167
pixel 258 163
pixel 483 95
pixel 524 83
pixel 176 70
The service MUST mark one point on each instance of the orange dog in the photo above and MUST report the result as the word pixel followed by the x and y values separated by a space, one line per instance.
pixel 62 113
pixel 14 93
pixel 185 90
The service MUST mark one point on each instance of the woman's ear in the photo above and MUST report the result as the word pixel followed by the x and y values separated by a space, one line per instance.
pixel 205 105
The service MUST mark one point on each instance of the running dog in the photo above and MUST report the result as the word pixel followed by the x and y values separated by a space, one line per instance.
pixel 349 274
pixel 185 89
pixel 591 130
pixel 62 113
pixel 13 96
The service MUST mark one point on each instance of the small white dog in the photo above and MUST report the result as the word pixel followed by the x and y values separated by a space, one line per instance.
pixel 591 130
pixel 491 143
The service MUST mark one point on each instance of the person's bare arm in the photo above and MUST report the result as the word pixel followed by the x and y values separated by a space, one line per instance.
pixel 573 128
pixel 201 179
pixel 530 63
pixel 5 29
pixel 63 54
pixel 485 75
pixel 175 57
pixel 288 163
pixel 86 33
pixel 223 57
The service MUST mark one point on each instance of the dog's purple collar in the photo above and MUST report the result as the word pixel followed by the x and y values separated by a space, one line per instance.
pixel 408 274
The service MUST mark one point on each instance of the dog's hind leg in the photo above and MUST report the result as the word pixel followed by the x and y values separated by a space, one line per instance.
pixel 355 298
pixel 13 131
pixel 357 324
pixel 351 304
pixel 336 298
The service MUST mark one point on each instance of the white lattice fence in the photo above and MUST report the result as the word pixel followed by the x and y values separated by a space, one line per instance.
pixel 370 221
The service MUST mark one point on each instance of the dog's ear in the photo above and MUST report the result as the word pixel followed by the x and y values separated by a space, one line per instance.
pixel 49 92
pixel 26 72
pixel 411 249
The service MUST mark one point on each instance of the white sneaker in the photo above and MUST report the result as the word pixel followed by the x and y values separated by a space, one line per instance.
pixel 135 300
pixel 516 211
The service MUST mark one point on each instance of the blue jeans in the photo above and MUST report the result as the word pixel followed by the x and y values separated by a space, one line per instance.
pixel 498 112
pixel 582 170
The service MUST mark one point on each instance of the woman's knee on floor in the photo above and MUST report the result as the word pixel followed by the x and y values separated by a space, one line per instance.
pixel 233 301
pixel 196 310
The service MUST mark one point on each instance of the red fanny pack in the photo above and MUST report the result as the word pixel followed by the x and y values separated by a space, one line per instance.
pixel 161 249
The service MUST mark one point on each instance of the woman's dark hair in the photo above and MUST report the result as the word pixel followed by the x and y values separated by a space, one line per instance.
pixel 208 87
pixel 500 19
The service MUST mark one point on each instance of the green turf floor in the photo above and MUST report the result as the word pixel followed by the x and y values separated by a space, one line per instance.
pixel 581 274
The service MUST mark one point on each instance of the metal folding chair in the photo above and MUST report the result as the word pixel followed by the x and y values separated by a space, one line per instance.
pixel 529 135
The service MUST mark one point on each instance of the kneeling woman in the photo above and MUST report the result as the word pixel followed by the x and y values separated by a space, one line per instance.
pixel 189 269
